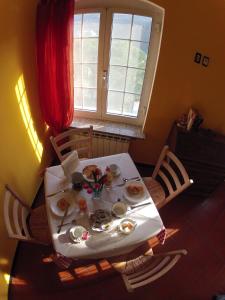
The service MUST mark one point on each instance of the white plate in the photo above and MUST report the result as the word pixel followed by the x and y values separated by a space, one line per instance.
pixel 134 198
pixel 76 233
pixel 127 222
pixel 56 210
pixel 90 179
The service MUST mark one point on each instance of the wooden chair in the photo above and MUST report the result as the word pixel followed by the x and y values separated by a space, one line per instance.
pixel 22 222
pixel 148 268
pixel 79 139
pixel 169 178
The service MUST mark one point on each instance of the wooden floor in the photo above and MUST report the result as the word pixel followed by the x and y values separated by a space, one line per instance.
pixel 194 224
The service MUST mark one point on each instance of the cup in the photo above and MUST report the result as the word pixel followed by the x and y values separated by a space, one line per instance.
pixel 77 180
pixel 119 209
pixel 115 170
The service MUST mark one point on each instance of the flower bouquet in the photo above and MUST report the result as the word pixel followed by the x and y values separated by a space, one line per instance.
pixel 95 187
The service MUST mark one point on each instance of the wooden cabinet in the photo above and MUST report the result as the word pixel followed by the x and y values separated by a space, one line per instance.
pixel 203 154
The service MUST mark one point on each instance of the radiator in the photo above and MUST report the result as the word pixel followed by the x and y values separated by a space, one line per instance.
pixel 105 144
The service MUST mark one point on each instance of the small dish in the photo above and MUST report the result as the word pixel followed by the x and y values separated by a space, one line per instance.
pixel 138 193
pixel 127 226
pixel 119 209
pixel 115 170
pixel 78 233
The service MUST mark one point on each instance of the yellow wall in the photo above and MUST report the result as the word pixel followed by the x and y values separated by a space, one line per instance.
pixel 180 83
pixel 20 164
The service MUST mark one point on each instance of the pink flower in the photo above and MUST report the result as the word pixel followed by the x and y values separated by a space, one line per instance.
pixel 85 186
pixel 97 171
pixel 97 186
pixel 89 190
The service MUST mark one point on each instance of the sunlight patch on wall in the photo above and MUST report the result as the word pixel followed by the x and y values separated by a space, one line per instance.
pixel 27 119
pixel 7 278
pixel 4 262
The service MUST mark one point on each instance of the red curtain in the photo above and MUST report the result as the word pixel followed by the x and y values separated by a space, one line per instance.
pixel 54 35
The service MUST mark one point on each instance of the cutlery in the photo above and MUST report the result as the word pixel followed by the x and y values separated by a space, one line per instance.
pixel 63 218
pixel 72 222
pixel 58 192
pixel 128 179
pixel 133 178
pixel 139 205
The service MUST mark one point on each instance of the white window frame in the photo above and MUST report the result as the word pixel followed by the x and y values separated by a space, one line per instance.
pixel 151 64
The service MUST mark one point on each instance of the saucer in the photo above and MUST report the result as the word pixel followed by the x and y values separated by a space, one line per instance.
pixel 78 233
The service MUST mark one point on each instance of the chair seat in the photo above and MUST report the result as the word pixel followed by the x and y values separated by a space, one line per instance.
pixel 155 190
pixel 38 225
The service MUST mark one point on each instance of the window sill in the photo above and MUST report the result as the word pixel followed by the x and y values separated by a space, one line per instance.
pixel 114 128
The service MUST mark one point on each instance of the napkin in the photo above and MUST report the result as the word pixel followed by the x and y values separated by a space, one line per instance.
pixel 161 236
pixel 70 163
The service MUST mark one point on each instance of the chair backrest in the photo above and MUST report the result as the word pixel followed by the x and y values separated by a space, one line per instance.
pixel 172 175
pixel 16 212
pixel 79 139
pixel 146 269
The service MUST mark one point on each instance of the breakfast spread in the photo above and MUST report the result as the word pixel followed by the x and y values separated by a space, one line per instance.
pixel 62 204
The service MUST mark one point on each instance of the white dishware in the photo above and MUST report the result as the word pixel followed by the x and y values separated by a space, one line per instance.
pixel 134 198
pixel 78 233
pixel 56 210
pixel 119 209
pixel 127 226
pixel 115 170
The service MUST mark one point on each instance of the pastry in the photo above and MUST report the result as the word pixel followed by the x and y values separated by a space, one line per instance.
pixel 62 204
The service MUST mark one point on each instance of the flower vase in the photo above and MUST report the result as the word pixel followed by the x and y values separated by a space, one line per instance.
pixel 96 195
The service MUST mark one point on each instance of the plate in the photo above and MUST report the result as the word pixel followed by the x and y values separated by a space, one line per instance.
pixel 77 233
pixel 56 210
pixel 87 172
pixel 136 196
pixel 101 220
pixel 127 226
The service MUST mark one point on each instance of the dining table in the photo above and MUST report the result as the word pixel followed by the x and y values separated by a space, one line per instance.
pixel 106 243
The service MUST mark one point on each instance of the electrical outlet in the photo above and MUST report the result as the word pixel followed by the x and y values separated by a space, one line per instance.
pixel 198 57
pixel 205 61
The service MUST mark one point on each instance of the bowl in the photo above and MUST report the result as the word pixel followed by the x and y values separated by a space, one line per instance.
pixel 127 226
pixel 119 209
pixel 78 233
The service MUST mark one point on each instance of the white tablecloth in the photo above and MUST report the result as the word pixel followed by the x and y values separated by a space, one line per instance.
pixel 104 244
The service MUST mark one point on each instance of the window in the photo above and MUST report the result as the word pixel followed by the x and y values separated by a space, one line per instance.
pixel 113 59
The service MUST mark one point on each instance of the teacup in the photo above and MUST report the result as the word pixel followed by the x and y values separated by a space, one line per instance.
pixel 115 170
pixel 77 180
pixel 119 209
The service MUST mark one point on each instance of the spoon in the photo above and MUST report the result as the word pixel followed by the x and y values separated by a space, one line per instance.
pixel 128 179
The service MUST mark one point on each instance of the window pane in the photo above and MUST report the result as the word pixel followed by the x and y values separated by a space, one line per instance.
pixel 131 104
pixel 117 77
pixel 141 28
pixel 90 50
pixel 89 99
pixel 134 81
pixel 119 52
pixel 77 75
pixel 77 25
pixel 89 75
pixel 78 98
pixel 91 25
pixel 138 55
pixel 115 102
pixel 77 50
pixel 121 26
